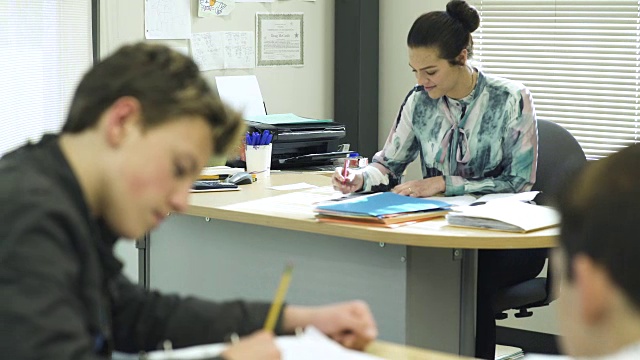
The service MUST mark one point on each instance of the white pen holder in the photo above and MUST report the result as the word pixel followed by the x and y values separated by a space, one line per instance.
pixel 258 160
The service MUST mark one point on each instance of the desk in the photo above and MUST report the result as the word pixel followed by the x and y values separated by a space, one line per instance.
pixel 419 280
pixel 391 351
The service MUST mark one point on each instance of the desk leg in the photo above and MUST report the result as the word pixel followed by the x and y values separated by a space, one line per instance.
pixel 441 299
pixel 468 289
pixel 144 261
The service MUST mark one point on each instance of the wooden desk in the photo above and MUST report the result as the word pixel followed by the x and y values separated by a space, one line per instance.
pixel 387 350
pixel 419 280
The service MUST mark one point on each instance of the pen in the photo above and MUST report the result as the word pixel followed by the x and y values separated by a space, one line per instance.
pixel 274 311
pixel 264 137
pixel 344 170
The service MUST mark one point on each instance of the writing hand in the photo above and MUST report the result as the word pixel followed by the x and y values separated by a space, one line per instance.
pixel 349 323
pixel 353 181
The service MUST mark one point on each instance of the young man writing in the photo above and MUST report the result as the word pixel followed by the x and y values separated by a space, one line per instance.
pixel 141 126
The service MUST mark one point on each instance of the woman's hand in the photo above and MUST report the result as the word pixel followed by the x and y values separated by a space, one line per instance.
pixel 347 184
pixel 421 188
pixel 349 323
pixel 259 346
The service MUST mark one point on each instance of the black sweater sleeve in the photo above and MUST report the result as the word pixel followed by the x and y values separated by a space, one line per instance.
pixel 144 319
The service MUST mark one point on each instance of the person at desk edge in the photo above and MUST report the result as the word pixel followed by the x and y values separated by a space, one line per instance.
pixel 597 263
pixel 141 126
pixel 475 133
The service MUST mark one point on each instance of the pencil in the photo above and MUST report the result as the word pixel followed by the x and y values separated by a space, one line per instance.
pixel 344 170
pixel 274 311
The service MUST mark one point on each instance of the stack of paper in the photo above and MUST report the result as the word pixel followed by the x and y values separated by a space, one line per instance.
pixel 512 216
pixel 383 209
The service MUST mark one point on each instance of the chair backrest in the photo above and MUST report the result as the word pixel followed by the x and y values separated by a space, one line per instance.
pixel 559 155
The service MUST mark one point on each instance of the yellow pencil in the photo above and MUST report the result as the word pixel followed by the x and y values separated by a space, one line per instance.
pixel 274 311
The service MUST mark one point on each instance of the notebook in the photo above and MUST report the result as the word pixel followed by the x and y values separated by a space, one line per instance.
pixel 385 208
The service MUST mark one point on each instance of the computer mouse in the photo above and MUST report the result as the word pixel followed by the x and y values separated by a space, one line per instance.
pixel 240 178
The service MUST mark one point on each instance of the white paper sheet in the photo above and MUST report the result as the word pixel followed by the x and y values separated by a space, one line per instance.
pixel 239 50
pixel 219 8
pixel 207 50
pixel 298 186
pixel 313 345
pixel 241 93
pixel 167 19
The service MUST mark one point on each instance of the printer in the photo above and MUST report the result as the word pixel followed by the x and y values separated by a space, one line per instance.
pixel 302 144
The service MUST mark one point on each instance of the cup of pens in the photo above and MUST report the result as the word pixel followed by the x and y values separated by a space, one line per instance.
pixel 258 153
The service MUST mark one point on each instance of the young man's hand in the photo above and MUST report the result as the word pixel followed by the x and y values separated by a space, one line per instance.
pixel 349 323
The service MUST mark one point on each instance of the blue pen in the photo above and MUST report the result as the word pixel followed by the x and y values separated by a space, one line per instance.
pixel 264 137
pixel 269 139
pixel 247 139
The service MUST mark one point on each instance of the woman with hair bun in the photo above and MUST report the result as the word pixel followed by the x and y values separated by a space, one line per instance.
pixel 475 133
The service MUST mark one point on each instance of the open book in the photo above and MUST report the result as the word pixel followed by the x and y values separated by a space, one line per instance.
pixel 313 345
pixel 512 216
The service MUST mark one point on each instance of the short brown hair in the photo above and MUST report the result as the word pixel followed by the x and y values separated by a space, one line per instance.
pixel 600 212
pixel 167 84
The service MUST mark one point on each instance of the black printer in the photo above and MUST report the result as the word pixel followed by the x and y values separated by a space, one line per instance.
pixel 304 144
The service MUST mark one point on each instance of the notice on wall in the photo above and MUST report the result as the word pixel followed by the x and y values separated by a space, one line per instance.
pixel 167 19
pixel 223 50
pixel 280 39
pixel 215 7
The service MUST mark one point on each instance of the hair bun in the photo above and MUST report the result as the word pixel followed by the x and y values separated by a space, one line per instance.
pixel 466 14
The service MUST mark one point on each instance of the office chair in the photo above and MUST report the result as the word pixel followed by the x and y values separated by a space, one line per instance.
pixel 559 155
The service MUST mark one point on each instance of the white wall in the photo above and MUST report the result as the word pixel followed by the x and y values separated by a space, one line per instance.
pixel 306 91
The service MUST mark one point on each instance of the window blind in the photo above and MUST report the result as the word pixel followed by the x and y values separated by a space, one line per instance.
pixel 579 58
pixel 46 46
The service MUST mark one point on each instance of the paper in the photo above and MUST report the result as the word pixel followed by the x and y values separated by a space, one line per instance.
pixel 239 50
pixel 207 50
pixel 252 1
pixel 464 200
pixel 280 39
pixel 219 7
pixel 297 204
pixel 223 50
pixel 242 93
pixel 297 186
pixel 513 216
pixel 167 19
pixel 313 345
pixel 280 119
pixel 523 196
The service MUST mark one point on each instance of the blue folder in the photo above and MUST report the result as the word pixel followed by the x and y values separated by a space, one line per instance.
pixel 383 204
